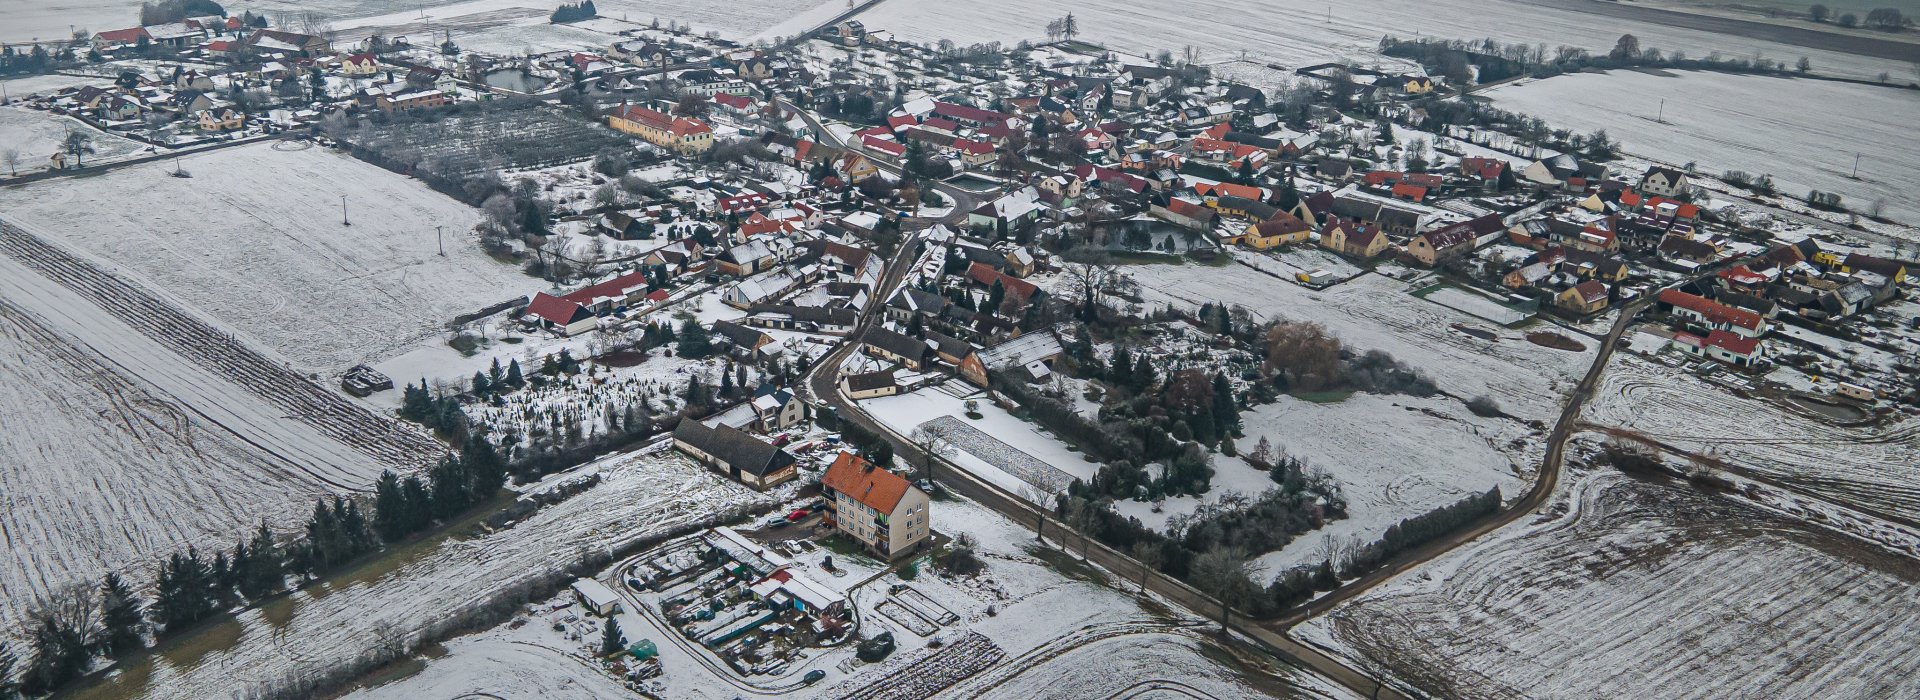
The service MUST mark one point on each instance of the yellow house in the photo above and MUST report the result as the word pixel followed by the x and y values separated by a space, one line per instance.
pixel 360 64
pixel 1352 238
pixel 1282 229
pixel 1584 298
pixel 1419 85
pixel 222 119
pixel 681 134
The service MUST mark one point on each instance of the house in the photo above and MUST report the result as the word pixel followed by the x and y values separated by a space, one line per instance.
pixel 1664 182
pixel 875 507
pixel 1185 214
pixel 221 119
pixel 869 385
pixel 1712 315
pixel 1894 270
pixel 1683 249
pixel 746 341
pixel 850 32
pixel 738 455
pixel 596 597
pixel 360 64
pixel 1723 346
pixel 272 41
pixel 120 38
pixel 911 352
pixel 1485 170
pixel 1585 298
pixel 1353 238
pixel 411 99
pixel 1440 245
pixel 1280 229
pixel 684 135
pixel 1029 357
pixel 1018 291
pixel 777 409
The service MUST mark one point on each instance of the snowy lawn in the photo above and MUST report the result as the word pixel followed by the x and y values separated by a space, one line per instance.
pixel 39 135
pixel 254 240
pixel 1012 441
pixel 1714 120
pixel 1633 588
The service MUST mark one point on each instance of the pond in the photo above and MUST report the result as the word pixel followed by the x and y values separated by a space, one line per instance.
pixel 973 183
pixel 515 79
pixel 1830 409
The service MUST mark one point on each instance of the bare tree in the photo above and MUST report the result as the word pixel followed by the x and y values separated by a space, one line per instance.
pixel 1226 574
pixel 12 158
pixel 1042 501
pixel 1092 274
pixel 1150 558
pixel 935 443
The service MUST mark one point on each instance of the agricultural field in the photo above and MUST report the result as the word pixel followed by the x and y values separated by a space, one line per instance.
pixel 39 135
pixel 436 583
pixel 123 448
pixel 1869 467
pixel 1633 588
pixel 1298 33
pixel 1372 312
pixel 254 240
pixel 475 20
pixel 1053 618
pixel 1712 119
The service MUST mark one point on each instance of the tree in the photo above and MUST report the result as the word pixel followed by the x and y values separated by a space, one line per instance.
pixel 1069 27
pixel 1226 574
pixel 390 517
pixel 1803 65
pixel 934 444
pixel 1819 13
pixel 695 343
pixel 1887 18
pixel 1848 19
pixel 63 635
pixel 514 378
pixel 12 158
pixel 180 597
pixel 1150 557
pixel 1304 355
pixel 1091 275
pixel 265 568
pixel 611 641
pixel 122 616
pixel 77 144
pixel 1626 49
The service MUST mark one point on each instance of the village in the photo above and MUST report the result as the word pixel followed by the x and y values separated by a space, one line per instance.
pixel 946 334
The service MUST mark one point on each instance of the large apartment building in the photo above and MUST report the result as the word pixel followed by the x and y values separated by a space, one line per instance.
pixel 875 507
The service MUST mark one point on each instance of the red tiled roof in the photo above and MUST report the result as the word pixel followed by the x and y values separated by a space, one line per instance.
pixel 974 114
pixel 1017 289
pixel 1483 168
pixel 126 35
pixel 1733 343
pixel 1590 291
pixel 1715 312
pixel 893 148
pixel 900 122
pixel 872 486
pixel 1413 192
pixel 1225 189
pixel 616 287
pixel 555 309
pixel 732 101
pixel 678 126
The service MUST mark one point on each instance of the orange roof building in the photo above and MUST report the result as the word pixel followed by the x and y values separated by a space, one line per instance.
pixel 875 507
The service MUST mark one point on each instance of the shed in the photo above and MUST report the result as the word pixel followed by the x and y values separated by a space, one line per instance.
pixel 597 598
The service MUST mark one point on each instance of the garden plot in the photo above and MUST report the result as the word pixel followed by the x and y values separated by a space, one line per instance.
pixel 253 240
pixel 1372 312
pixel 1631 588
pixel 1714 120
pixel 640 497
pixel 1870 467
pixel 491 137
pixel 39 135
pixel 1476 304
pixel 1013 454
pixel 1307 33
pixel 595 402
pixel 120 451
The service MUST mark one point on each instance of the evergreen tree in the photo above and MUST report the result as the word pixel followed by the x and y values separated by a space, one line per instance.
pixel 610 641
pixel 1121 376
pixel 484 466
pixel 996 296
pixel 481 385
pixel 419 503
pixel 495 374
pixel 916 327
pixel 415 403
pixel 1142 378
pixel 220 582
pixel 694 343
pixel 266 565
pixel 726 384
pixel 121 617
pixel 1225 413
pixel 180 596
pixel 448 484
pixel 513 374
pixel 390 516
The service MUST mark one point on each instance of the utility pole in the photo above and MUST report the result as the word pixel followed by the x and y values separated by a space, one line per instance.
pixel 1662 118
pixel 441 241
pixel 1856 165
pixel 343 211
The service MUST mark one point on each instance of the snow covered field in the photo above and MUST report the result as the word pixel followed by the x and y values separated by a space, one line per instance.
pixel 1013 441
pixel 1394 456
pixel 1629 588
pixel 254 240
pixel 639 497
pixel 1803 132
pixel 1299 32
pixel 1875 468
pixel 118 451
pixel 39 135
pixel 1372 312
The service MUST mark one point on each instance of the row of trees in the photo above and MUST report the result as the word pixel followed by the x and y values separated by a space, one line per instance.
pixel 1884 18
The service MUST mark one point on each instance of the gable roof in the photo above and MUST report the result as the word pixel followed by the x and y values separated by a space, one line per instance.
pixel 1713 311
pixel 556 309
pixel 872 486
pixel 733 448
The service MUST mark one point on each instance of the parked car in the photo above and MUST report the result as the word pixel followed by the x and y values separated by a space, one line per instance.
pixel 775 521
pixel 798 515
pixel 813 676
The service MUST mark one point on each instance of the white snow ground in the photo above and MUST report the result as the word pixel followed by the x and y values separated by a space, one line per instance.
pixel 38 135
pixel 1793 129
pixel 1627 588
pixel 254 240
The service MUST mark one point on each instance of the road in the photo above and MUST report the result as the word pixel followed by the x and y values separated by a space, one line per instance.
pixel 961 200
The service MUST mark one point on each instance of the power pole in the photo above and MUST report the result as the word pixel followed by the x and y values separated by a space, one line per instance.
pixel 1662 117
pixel 1856 165
pixel 438 239
pixel 343 211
